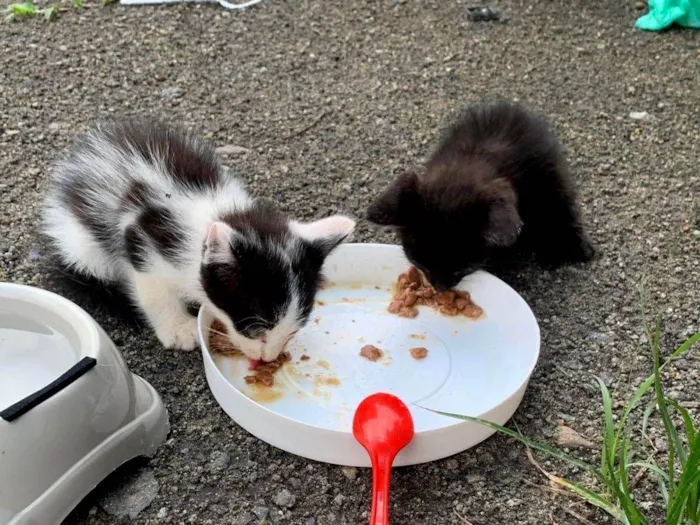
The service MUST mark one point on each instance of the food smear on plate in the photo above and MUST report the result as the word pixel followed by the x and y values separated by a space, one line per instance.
pixel 327 381
pixel 418 353
pixel 263 372
pixel 219 341
pixel 413 290
pixel 371 352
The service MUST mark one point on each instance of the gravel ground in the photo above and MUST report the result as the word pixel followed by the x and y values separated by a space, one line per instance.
pixel 324 103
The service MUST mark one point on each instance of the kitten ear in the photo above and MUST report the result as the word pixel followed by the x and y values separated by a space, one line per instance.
pixel 217 246
pixel 395 204
pixel 325 234
pixel 503 224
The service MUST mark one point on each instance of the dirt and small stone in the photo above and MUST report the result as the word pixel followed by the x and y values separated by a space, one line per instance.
pixel 317 105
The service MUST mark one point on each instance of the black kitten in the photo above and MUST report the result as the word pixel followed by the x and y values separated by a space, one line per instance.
pixel 497 185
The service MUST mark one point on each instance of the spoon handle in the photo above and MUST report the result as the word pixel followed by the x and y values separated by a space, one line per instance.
pixel 381 466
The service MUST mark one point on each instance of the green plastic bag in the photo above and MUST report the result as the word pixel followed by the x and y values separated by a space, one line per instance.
pixel 664 13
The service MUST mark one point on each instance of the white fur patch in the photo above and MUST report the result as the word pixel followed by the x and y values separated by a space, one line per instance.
pixel 161 302
pixel 328 228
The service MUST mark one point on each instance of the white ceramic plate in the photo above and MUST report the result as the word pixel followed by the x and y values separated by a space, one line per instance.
pixel 477 368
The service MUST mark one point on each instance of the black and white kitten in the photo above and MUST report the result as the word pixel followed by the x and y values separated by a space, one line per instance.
pixel 496 187
pixel 150 207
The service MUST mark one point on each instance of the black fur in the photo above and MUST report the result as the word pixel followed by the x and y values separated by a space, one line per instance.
pixel 192 164
pixel 236 287
pixel 136 247
pixel 161 226
pixel 496 187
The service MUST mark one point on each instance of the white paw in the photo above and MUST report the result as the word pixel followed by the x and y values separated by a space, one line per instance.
pixel 180 336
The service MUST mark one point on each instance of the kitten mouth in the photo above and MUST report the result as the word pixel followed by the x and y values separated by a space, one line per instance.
pixel 253 363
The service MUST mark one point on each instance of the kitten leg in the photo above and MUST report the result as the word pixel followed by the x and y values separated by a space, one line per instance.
pixel 160 301
pixel 563 240
pixel 560 237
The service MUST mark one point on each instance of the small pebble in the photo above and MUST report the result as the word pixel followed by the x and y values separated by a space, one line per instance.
pixel 172 92
pixel 219 461
pixel 243 519
pixel 285 499
pixel 219 510
pixel 295 483
pixel 640 115
pixel 261 512
pixel 230 149
pixel 350 472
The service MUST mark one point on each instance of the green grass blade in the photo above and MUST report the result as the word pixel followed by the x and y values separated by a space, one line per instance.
pixel 687 420
pixel 691 463
pixel 23 9
pixel 645 420
pixel 683 348
pixel 659 474
pixel 609 446
pixel 624 461
pixel 527 442
pixel 593 498
pixel 680 501
pixel 687 488
pixel 631 512
pixel 649 381
pixel 50 13
pixel 671 434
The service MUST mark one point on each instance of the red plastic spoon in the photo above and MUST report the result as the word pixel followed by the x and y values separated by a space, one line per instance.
pixel 383 425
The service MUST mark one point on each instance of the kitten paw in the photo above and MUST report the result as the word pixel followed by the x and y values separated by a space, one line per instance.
pixel 181 336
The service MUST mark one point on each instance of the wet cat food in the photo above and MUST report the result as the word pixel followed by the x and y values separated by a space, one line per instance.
pixel 219 341
pixel 413 290
pixel 371 352
pixel 418 353
pixel 263 373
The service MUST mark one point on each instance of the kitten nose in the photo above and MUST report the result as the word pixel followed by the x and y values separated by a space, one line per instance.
pixel 443 284
pixel 440 286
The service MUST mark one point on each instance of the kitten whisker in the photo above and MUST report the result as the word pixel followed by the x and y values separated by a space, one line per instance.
pixel 212 331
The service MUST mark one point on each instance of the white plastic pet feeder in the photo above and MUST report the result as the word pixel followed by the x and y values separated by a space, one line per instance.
pixel 70 410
